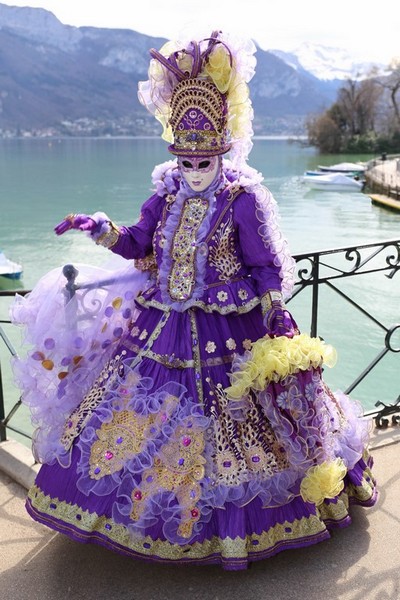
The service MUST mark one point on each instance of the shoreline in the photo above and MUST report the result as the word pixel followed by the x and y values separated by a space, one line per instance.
pixel 133 137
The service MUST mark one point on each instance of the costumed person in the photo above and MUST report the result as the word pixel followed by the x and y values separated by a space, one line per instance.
pixel 180 414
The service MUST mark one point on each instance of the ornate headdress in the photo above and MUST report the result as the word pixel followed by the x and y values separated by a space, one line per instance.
pixel 199 93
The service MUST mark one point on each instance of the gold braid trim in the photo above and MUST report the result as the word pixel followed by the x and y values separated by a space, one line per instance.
pixel 84 524
pixel 109 238
pixel 268 298
pixel 208 308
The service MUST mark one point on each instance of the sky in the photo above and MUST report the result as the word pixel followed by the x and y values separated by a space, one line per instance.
pixel 368 31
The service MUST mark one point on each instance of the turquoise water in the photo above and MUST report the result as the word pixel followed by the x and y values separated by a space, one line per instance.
pixel 43 180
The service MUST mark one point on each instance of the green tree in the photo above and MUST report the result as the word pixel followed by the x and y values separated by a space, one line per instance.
pixel 324 134
pixel 349 123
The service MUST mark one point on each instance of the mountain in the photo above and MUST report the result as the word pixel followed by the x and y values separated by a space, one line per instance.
pixel 324 62
pixel 56 79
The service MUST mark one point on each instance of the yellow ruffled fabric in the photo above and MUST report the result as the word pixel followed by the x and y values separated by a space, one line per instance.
pixel 225 77
pixel 323 481
pixel 219 68
pixel 273 359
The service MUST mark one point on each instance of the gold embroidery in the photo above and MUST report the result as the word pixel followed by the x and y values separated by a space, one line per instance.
pixel 222 296
pixel 182 277
pixel 234 192
pixel 153 337
pixel 363 492
pixel 210 347
pixel 196 354
pixel 334 511
pixel 222 253
pixel 173 362
pixel 148 263
pixel 247 344
pixel 208 308
pixel 143 335
pixel 117 441
pixel 122 438
pixel 109 238
pixel 231 344
pixel 84 523
pixel 168 360
pixel 242 448
pixel 178 469
pixel 79 417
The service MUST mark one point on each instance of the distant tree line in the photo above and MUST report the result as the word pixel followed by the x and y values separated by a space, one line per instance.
pixel 364 119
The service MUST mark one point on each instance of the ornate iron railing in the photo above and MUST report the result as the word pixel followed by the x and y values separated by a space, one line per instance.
pixel 314 270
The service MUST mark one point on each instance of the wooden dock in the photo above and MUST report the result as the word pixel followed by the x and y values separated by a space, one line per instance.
pixel 385 202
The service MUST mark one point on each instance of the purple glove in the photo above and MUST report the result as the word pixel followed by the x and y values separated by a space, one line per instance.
pixel 81 222
pixel 277 319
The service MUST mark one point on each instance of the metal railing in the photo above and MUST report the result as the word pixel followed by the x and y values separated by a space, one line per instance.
pixel 314 270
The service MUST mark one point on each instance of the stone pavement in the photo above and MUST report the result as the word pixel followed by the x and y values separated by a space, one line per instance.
pixel 361 562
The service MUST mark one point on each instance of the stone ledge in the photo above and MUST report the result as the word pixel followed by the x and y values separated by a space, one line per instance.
pixel 17 462
pixel 385 436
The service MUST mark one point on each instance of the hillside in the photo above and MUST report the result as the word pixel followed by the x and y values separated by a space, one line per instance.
pixel 57 79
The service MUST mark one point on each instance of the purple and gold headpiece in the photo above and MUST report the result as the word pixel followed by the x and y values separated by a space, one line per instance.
pixel 198 108
pixel 199 92
pixel 198 119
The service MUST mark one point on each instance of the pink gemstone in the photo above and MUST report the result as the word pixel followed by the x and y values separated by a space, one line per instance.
pixel 195 513
pixel 108 455
pixel 186 441
pixel 137 495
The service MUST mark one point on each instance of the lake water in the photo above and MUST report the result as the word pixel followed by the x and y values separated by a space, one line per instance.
pixel 42 180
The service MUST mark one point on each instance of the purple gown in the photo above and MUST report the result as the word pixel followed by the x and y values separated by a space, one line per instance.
pixel 144 451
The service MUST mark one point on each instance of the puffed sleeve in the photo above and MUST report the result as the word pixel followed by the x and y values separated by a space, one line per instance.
pixel 136 241
pixel 255 243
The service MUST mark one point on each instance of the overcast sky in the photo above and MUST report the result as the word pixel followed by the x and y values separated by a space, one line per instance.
pixel 368 30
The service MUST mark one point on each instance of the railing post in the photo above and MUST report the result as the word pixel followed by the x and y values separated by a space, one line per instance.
pixel 314 302
pixel 3 435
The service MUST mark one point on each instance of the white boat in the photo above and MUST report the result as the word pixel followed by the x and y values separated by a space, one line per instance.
pixel 345 167
pixel 315 173
pixel 337 182
pixel 8 268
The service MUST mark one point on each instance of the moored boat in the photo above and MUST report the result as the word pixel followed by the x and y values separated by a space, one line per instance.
pixel 344 167
pixel 8 268
pixel 337 182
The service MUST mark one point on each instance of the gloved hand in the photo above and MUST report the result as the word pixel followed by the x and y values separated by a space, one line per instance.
pixel 81 222
pixel 277 318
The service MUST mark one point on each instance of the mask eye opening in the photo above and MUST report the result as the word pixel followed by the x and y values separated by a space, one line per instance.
pixel 187 164
pixel 204 164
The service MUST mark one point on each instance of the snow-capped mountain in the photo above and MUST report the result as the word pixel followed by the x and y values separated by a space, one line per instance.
pixel 83 80
pixel 325 63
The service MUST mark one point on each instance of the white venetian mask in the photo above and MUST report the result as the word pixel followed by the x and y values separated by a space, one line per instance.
pixel 199 172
